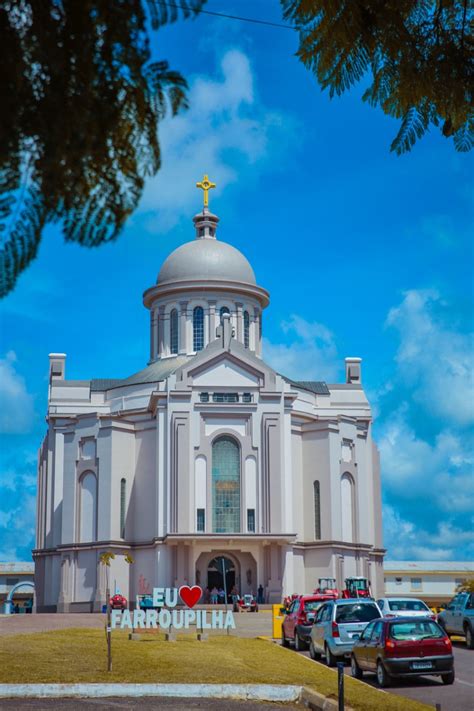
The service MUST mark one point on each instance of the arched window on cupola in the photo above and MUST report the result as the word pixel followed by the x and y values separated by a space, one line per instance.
pixel 246 329
pixel 174 331
pixel 198 328
pixel 224 310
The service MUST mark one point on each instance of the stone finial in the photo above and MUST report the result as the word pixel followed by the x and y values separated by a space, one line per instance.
pixel 57 366
pixel 353 370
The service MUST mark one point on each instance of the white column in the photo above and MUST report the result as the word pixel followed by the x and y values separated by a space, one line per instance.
pixel 161 330
pixel 257 328
pixel 212 321
pixel 161 507
pixel 183 345
pixel 240 336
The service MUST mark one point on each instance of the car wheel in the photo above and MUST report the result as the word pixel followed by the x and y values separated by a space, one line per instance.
pixel 284 641
pixel 356 671
pixel 448 678
pixel 313 653
pixel 300 645
pixel 330 658
pixel 469 637
pixel 383 679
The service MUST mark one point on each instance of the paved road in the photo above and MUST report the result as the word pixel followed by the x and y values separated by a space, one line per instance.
pixel 431 690
pixel 144 704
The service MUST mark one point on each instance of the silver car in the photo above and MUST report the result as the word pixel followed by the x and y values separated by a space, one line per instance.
pixel 338 625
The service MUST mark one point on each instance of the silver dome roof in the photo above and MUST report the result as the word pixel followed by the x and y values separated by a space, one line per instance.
pixel 206 259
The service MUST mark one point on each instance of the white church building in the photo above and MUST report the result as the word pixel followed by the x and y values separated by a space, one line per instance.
pixel 207 453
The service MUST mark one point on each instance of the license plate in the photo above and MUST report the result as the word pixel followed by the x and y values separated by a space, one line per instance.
pixel 422 665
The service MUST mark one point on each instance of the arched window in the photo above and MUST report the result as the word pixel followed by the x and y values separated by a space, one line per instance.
pixel 246 329
pixel 123 504
pixel 198 328
pixel 174 331
pixel 88 508
pixel 347 507
pixel 317 511
pixel 225 486
pixel 224 310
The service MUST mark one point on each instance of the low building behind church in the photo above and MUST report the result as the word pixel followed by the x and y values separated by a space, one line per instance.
pixel 206 454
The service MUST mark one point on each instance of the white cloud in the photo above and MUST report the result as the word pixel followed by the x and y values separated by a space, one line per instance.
pixel 17 503
pixel 16 411
pixel 409 540
pixel 441 471
pixel 225 129
pixel 309 354
pixel 424 442
pixel 433 360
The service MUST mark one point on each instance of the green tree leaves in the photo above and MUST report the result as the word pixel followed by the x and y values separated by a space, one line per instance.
pixel 81 103
pixel 419 56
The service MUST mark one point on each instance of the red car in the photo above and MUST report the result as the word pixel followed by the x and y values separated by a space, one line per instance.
pixel 118 602
pixel 248 603
pixel 403 647
pixel 298 621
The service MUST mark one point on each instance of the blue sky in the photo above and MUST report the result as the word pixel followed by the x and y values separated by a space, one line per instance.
pixel 364 254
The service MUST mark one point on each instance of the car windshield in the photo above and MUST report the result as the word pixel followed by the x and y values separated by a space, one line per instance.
pixel 424 629
pixel 357 612
pixel 312 605
pixel 408 605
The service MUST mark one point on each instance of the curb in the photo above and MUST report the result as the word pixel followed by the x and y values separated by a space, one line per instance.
pixel 244 692
pixel 317 702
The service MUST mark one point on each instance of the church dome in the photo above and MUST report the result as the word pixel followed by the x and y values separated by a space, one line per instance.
pixel 206 259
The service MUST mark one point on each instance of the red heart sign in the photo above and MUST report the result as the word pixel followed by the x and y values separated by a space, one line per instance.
pixel 190 596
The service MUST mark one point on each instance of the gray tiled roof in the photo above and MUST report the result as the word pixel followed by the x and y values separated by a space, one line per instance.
pixel 100 384
pixel 314 386
pixel 159 370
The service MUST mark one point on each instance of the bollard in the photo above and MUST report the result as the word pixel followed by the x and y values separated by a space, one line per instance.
pixel 340 685
pixel 438 707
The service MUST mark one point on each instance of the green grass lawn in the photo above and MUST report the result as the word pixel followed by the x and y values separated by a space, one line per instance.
pixel 79 655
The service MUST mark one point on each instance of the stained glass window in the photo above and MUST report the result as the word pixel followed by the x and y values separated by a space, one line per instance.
pixel 198 328
pixel 201 520
pixel 123 502
pixel 246 329
pixel 174 331
pixel 251 520
pixel 225 486
pixel 317 511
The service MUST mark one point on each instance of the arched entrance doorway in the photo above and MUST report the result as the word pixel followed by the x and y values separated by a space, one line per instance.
pixel 215 573
pixel 7 608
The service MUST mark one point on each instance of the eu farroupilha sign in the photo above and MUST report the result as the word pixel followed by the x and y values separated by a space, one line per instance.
pixel 165 615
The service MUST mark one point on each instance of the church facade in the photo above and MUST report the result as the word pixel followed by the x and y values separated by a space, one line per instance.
pixel 205 458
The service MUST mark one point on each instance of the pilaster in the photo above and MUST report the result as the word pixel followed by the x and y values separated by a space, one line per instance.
pixel 183 310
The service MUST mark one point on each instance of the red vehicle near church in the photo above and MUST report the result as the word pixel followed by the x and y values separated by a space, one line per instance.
pixel 357 587
pixel 298 620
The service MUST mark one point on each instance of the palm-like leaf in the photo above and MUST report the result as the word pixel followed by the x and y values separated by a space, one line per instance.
pixel 81 104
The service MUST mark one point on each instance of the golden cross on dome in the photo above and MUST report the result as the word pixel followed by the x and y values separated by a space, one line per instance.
pixel 206 185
